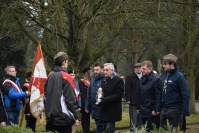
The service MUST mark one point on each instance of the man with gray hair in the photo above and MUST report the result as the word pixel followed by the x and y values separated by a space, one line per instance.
pixel 113 90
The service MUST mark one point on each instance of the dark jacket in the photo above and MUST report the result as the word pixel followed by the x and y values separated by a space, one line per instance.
pixel 12 98
pixel 83 91
pixel 94 109
pixel 132 85
pixel 113 90
pixel 3 113
pixel 149 94
pixel 60 100
pixel 176 95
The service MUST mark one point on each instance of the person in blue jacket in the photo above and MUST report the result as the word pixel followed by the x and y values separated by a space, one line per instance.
pixel 174 102
pixel 91 105
pixel 12 95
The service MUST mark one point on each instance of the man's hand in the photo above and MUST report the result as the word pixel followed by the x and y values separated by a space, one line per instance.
pixel 138 111
pixel 76 122
pixel 28 93
pixel 154 113
pixel 158 113
pixel 86 110
pixel 128 102
pixel 3 124
pixel 26 100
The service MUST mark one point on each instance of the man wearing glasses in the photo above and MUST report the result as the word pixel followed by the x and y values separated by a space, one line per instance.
pixel 12 94
pixel 175 93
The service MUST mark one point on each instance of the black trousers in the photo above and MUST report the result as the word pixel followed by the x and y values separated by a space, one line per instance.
pixel 59 129
pixel 109 127
pixel 31 122
pixel 149 123
pixel 85 121
pixel 173 116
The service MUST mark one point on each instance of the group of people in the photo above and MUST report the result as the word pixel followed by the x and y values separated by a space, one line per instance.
pixel 64 97
pixel 151 98
pixel 157 100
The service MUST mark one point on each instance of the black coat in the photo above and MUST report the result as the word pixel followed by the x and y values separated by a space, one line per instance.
pixel 113 90
pixel 132 85
pixel 149 94
pixel 3 113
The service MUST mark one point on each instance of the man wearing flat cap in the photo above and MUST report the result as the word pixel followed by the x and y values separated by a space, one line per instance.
pixel 175 93
pixel 60 99
pixel 132 84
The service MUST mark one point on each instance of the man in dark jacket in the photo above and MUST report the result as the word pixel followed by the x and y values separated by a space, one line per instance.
pixel 91 106
pixel 12 95
pixel 60 100
pixel 149 94
pixel 3 113
pixel 175 93
pixel 30 119
pixel 113 90
pixel 132 85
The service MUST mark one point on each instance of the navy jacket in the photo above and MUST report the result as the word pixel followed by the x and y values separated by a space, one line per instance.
pixel 95 84
pixel 176 95
pixel 149 95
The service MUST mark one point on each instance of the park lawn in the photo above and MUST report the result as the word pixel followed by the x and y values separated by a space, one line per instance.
pixel 124 123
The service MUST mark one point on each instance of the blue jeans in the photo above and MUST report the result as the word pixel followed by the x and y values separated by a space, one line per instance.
pixel 13 117
pixel 99 125
pixel 135 119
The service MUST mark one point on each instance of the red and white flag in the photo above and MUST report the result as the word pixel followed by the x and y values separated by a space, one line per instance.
pixel 37 86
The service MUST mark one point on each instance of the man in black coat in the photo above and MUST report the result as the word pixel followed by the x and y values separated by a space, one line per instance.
pixel 132 85
pixel 149 94
pixel 113 90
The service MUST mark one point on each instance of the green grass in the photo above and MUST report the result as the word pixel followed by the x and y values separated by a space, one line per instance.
pixel 193 119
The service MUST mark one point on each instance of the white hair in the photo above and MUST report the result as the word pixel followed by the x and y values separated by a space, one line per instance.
pixel 111 66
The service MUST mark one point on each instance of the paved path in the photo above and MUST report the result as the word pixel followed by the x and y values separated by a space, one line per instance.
pixel 197 106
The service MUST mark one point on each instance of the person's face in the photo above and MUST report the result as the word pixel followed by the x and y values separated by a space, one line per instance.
pixel 166 66
pixel 107 71
pixel 12 71
pixel 72 76
pixel 138 70
pixel 65 64
pixel 97 70
pixel 145 70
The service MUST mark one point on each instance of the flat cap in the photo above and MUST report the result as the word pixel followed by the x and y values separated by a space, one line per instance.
pixel 137 65
pixel 59 54
pixel 170 57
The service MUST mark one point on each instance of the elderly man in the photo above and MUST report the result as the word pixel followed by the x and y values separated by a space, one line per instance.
pixel 132 85
pixel 113 89
pixel 175 93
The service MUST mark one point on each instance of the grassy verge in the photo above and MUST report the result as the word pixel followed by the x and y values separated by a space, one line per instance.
pixel 192 120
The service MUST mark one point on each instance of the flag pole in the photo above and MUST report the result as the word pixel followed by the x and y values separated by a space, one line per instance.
pixel 22 115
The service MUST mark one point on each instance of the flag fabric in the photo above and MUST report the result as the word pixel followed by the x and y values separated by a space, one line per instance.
pixel 36 87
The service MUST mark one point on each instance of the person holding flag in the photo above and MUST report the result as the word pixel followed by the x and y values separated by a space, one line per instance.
pixel 12 95
pixel 60 100
pixel 30 119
